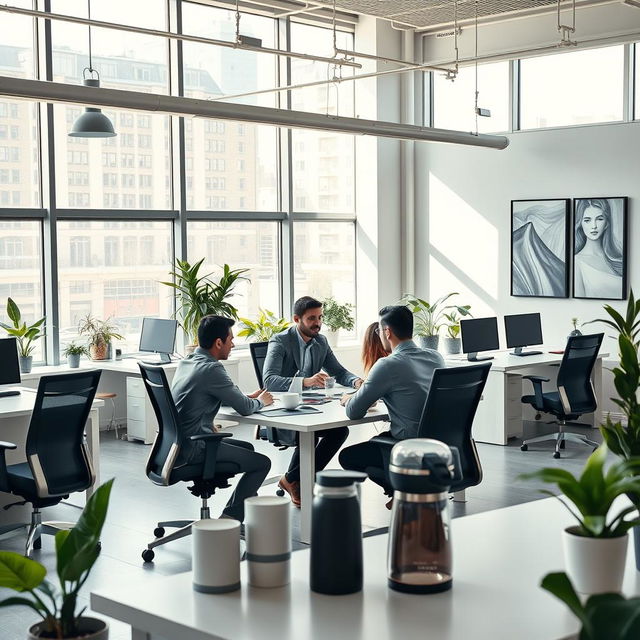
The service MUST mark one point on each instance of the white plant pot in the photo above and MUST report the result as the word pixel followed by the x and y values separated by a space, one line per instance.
pixel 594 565
pixel 332 338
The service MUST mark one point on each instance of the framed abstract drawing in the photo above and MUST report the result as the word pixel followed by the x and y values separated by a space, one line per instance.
pixel 540 248
pixel 600 248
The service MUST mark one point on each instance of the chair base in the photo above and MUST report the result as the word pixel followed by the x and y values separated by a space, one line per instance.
pixel 561 436
pixel 34 530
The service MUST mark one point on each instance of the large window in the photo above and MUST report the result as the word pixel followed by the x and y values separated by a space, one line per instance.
pixel 636 102
pixel 454 101
pixel 574 88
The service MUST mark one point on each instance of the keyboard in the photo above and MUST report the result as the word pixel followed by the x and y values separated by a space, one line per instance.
pixel 11 392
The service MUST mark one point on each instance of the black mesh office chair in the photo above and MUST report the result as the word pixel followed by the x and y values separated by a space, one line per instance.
pixel 447 416
pixel 575 395
pixel 206 476
pixel 258 356
pixel 58 460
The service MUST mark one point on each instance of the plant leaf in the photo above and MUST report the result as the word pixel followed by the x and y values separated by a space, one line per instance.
pixel 20 573
pixel 560 586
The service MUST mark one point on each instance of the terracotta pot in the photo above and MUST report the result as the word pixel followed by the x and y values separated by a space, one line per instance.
pixel 90 629
pixel 98 351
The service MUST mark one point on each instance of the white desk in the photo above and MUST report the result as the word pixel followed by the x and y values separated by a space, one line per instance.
pixel 15 415
pixel 330 416
pixel 500 413
pixel 499 559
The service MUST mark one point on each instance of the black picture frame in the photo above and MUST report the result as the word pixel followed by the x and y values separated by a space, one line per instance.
pixel 602 273
pixel 537 269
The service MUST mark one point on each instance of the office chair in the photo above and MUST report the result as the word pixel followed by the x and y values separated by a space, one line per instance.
pixel 207 476
pixel 447 416
pixel 58 460
pixel 575 395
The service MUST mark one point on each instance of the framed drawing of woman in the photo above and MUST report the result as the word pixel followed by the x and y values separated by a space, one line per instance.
pixel 600 248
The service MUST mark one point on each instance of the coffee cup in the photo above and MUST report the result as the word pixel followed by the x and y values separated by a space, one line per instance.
pixel 290 400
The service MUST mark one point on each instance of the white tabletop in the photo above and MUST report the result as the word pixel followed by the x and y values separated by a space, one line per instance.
pixel 22 405
pixel 126 365
pixel 499 559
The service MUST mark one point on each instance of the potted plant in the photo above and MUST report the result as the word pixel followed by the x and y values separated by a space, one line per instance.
pixel 100 334
pixel 595 549
pixel 264 328
pixel 77 550
pixel 429 318
pixel 607 615
pixel 72 353
pixel 452 339
pixel 336 316
pixel 199 295
pixel 576 331
pixel 26 335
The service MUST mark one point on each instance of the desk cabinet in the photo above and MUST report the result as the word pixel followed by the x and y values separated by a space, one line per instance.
pixel 141 420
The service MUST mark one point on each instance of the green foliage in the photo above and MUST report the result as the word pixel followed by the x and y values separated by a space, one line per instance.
pixel 76 550
pixel 594 492
pixel 74 349
pixel 25 334
pixel 99 332
pixel 264 328
pixel 605 616
pixel 199 295
pixel 453 322
pixel 430 317
pixel 337 316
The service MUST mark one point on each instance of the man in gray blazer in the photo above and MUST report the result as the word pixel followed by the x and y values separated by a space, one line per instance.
pixel 302 351
pixel 201 384
pixel 401 380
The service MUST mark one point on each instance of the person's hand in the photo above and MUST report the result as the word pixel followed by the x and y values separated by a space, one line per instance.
pixel 266 398
pixel 255 394
pixel 358 383
pixel 344 401
pixel 316 381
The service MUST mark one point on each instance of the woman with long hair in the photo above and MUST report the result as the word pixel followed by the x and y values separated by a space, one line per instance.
pixel 372 349
pixel 598 265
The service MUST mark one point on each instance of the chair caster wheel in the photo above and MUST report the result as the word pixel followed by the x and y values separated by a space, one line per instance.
pixel 280 492
pixel 158 532
pixel 148 555
pixel 524 447
pixel 556 454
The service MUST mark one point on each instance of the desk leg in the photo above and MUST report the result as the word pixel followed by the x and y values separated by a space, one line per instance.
pixel 93 441
pixel 307 476
pixel 138 634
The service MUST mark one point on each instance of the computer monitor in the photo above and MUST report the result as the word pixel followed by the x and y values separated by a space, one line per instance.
pixel 479 334
pixel 523 330
pixel 158 336
pixel 10 369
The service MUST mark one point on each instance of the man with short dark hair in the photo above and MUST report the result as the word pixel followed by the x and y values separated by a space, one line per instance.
pixel 201 384
pixel 401 380
pixel 302 351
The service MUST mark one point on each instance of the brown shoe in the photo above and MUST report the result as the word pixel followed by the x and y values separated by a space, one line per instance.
pixel 292 488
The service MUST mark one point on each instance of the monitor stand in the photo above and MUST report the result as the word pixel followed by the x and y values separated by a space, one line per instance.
pixel 165 358
pixel 519 352
pixel 473 357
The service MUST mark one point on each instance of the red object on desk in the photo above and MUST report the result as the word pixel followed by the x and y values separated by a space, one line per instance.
pixel 560 351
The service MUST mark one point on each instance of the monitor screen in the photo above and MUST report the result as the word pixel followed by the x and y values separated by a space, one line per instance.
pixel 479 334
pixel 523 330
pixel 158 335
pixel 10 369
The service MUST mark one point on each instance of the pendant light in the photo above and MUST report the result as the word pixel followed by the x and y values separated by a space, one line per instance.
pixel 92 123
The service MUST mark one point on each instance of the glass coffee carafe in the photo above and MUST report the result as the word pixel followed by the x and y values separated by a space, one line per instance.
pixel 421 471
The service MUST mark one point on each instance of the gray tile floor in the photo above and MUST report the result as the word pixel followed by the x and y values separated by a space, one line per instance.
pixel 136 505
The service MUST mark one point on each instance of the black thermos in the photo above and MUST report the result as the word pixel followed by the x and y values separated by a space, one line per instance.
pixel 336 533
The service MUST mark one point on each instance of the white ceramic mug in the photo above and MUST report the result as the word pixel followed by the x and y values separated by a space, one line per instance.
pixel 290 400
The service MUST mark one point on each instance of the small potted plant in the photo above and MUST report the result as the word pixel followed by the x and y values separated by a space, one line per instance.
pixel 452 339
pixel 72 353
pixel 595 549
pixel 607 615
pixel 26 335
pixel 576 331
pixel 77 550
pixel 100 334
pixel 336 316
pixel 429 318
pixel 264 328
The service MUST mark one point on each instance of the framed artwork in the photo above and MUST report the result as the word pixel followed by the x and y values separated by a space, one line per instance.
pixel 600 248
pixel 540 248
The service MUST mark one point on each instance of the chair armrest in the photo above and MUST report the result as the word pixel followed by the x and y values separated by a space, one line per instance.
pixel 535 379
pixel 212 443
pixel 4 478
pixel 537 390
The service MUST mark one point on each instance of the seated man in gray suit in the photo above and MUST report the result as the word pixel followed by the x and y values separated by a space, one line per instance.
pixel 201 384
pixel 401 381
pixel 302 350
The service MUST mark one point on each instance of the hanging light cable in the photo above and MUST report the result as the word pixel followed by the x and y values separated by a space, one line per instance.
pixel 92 123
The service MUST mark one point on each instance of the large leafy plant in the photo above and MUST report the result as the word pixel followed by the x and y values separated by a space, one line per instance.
pixel 430 317
pixel 337 316
pixel 77 550
pixel 606 616
pixel 264 328
pixel 594 492
pixel 26 335
pixel 198 295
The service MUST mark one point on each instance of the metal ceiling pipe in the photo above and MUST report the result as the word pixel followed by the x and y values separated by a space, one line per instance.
pixel 371 56
pixel 40 90
pixel 176 36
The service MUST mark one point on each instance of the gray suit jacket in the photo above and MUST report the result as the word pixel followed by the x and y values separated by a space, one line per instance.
pixel 283 361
